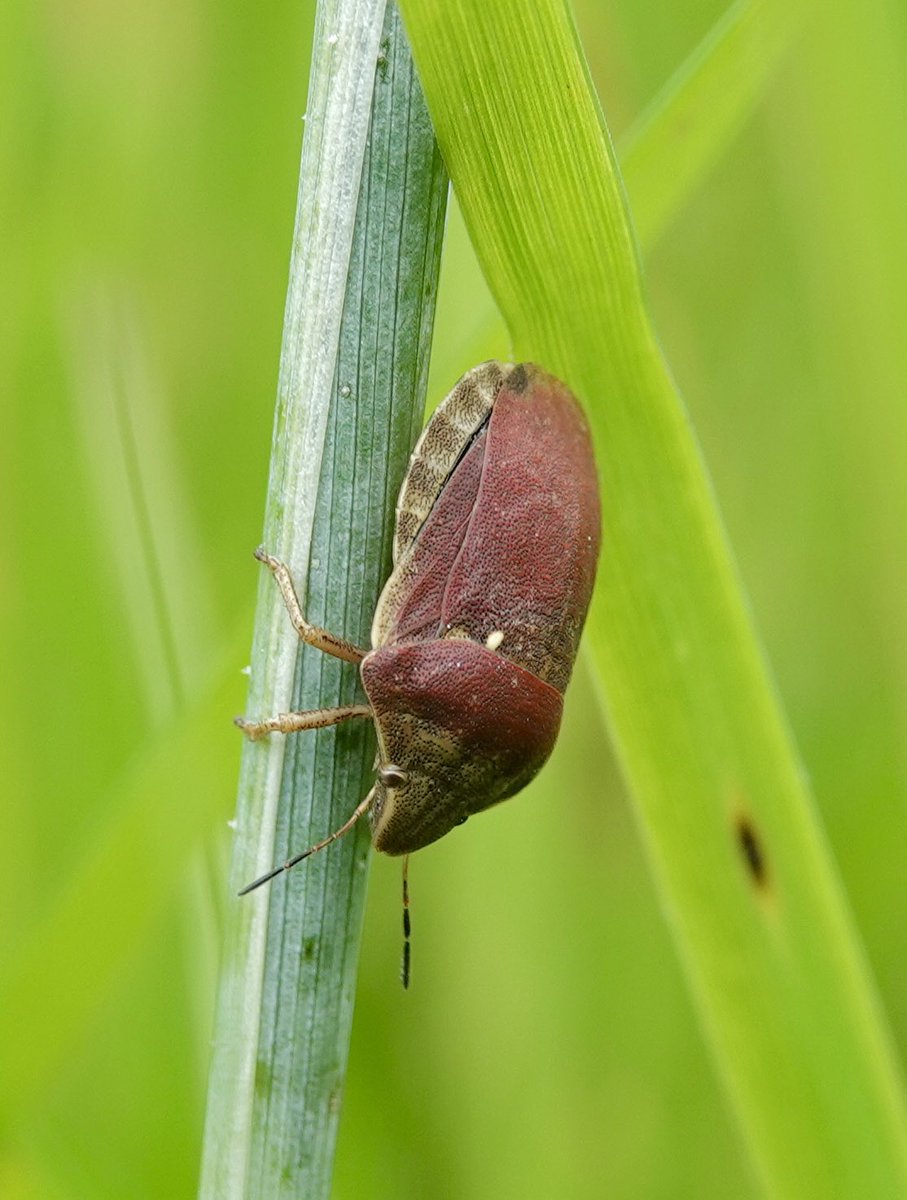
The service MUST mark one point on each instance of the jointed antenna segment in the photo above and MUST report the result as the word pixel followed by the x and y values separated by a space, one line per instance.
pixel 344 828
pixel 407 927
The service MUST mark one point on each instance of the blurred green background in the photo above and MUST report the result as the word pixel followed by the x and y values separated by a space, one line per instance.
pixel 148 166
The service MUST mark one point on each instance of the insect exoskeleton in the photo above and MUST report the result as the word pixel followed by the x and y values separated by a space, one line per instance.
pixel 477 628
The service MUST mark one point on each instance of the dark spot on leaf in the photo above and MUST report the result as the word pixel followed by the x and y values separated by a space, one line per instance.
pixel 752 851
pixel 308 948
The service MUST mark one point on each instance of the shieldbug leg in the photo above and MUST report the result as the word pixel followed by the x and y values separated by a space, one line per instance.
pixel 361 809
pixel 322 639
pixel 295 722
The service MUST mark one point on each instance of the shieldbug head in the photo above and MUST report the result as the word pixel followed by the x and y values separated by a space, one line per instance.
pixel 477 628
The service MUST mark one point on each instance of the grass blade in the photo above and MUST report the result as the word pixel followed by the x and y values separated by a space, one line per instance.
pixel 761 925
pixel 351 396
pixel 143 852
pixel 667 153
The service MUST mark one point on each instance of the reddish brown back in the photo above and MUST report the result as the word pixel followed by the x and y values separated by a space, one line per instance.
pixel 509 549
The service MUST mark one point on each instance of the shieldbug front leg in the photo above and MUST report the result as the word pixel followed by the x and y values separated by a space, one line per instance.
pixel 321 639
pixel 295 722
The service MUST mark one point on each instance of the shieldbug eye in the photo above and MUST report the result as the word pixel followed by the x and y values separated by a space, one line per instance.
pixel 392 776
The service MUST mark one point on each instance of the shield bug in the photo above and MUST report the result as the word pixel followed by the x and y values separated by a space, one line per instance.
pixel 476 631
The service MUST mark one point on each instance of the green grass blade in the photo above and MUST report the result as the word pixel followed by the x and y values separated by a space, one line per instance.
pixel 667 153
pixel 144 515
pixel 122 886
pixel 351 396
pixel 665 156
pixel 771 954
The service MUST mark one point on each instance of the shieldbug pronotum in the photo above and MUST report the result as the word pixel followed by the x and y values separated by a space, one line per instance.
pixel 477 628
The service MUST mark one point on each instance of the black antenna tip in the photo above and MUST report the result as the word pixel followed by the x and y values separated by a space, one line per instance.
pixel 250 887
pixel 404 967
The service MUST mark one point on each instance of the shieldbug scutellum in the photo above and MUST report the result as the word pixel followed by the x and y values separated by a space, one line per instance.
pixel 476 631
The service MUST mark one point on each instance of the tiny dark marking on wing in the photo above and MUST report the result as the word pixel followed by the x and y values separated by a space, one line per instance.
pixel 518 379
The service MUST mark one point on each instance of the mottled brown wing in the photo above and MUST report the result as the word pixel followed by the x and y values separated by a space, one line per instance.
pixel 448 432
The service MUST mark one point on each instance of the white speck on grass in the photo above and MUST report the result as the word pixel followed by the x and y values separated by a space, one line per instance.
pixel 333 39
